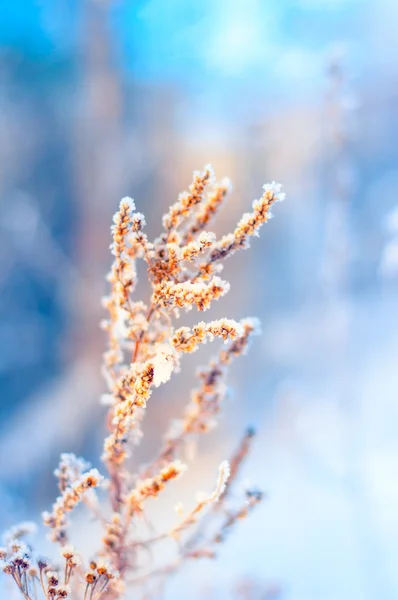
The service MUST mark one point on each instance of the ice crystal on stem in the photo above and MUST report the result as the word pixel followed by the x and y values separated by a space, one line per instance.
pixel 145 348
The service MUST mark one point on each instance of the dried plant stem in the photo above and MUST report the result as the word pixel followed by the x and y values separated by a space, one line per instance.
pixel 145 347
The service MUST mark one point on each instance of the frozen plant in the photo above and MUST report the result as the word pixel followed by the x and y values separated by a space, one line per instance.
pixel 145 348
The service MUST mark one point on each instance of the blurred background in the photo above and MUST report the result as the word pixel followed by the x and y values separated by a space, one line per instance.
pixel 103 99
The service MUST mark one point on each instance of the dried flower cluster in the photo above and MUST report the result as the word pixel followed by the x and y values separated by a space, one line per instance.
pixel 145 349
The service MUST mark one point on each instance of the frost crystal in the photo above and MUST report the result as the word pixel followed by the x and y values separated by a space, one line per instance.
pixel 164 363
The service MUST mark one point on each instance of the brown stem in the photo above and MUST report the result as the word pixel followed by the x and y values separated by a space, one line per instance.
pixel 98 594
pixel 138 342
pixel 116 489
pixel 85 593
pixel 19 584
pixel 42 584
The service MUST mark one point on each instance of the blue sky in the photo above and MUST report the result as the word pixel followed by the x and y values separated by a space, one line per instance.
pixel 222 53
pixel 181 39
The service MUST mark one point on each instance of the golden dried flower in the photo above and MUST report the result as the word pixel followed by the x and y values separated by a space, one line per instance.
pixel 146 345
pixel 90 577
